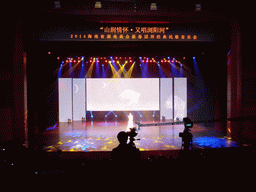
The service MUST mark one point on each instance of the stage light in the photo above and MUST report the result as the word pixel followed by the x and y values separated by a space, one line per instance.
pixel 57 4
pixel 58 58
pixel 198 7
pixel 113 60
pixel 90 61
pixel 130 61
pixel 116 57
pixel 74 61
pixel 49 53
pixel 106 61
pixel 194 58
pixel 161 61
pixel 102 65
pixel 101 58
pixel 143 61
pixel 66 61
pixel 153 7
pixel 82 58
pixel 130 58
pixel 150 61
pixel 97 5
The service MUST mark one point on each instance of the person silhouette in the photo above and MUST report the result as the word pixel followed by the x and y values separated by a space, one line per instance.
pixel 124 153
pixel 130 122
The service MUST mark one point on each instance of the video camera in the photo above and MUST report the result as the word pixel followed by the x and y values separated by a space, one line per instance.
pixel 186 135
pixel 188 125
pixel 132 134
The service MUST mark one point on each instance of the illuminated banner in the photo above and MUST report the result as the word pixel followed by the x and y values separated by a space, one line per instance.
pixel 125 33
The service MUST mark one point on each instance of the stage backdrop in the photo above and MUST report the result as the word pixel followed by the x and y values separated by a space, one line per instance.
pixel 122 94
pixel 166 95
pixel 78 95
pixel 79 106
pixel 65 99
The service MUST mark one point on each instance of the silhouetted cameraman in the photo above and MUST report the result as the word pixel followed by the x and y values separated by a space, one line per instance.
pixel 125 153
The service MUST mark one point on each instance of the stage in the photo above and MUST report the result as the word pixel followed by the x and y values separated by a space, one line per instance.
pixel 93 136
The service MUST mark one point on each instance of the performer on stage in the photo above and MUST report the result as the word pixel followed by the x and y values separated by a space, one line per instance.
pixel 130 122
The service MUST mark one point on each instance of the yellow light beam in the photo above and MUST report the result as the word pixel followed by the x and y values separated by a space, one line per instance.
pixel 122 69
pixel 115 73
pixel 129 73
pixel 89 72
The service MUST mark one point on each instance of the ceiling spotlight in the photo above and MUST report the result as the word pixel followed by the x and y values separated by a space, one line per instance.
pixel 198 7
pixel 153 7
pixel 97 5
pixel 57 4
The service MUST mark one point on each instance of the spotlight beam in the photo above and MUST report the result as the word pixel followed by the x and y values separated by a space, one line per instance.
pixel 129 73
pixel 89 72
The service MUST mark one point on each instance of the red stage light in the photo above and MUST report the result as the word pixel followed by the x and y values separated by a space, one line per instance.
pixel 106 61
pixel 130 61
pixel 120 57
pixel 150 61
pixel 161 61
pixel 116 57
pixel 66 61
pixel 130 58
pixel 143 61
pixel 114 61
pixel 74 61
pixel 90 60
pixel 165 61
pixel 58 58
pixel 49 53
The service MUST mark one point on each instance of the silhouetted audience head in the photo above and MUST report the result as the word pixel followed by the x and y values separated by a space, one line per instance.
pixel 122 137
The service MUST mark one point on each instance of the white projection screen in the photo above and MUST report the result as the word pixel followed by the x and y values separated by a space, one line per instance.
pixel 180 98
pixel 166 102
pixel 78 99
pixel 133 94
pixel 65 99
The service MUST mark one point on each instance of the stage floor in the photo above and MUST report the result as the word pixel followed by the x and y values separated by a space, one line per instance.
pixel 101 136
